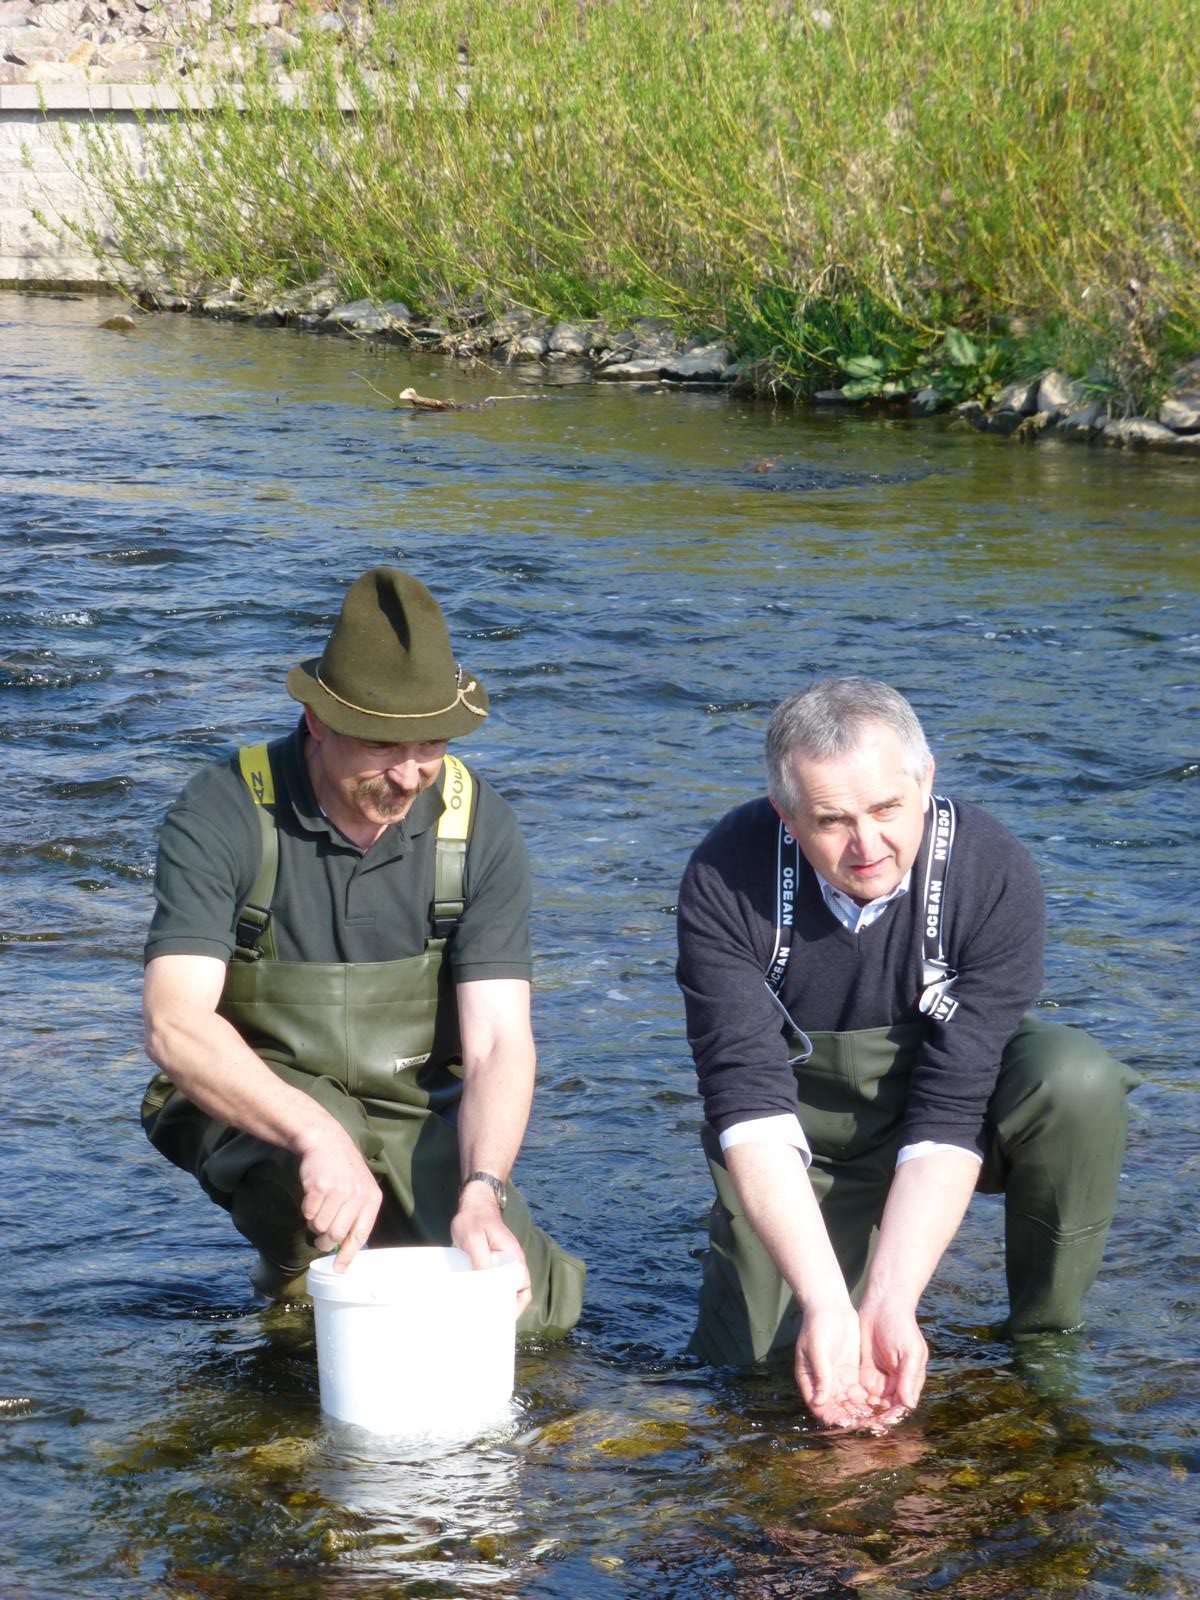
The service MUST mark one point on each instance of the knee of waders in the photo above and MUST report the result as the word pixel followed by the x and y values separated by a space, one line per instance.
pixel 1056 1080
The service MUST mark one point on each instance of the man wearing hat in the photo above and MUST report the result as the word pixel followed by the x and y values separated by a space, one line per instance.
pixel 338 969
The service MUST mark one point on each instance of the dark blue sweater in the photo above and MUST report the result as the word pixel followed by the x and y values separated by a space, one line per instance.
pixel 838 981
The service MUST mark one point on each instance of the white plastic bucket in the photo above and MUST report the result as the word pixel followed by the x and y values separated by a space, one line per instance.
pixel 414 1341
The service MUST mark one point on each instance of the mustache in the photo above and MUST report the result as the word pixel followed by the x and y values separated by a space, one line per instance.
pixel 384 792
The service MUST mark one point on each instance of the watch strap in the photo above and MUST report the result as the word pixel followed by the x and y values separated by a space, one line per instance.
pixel 492 1181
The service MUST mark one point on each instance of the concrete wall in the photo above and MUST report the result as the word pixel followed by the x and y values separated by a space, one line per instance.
pixel 37 176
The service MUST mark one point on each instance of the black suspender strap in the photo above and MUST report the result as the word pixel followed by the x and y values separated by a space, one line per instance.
pixel 937 975
pixel 787 879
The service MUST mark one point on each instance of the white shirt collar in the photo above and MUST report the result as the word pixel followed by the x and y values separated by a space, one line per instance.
pixel 853 916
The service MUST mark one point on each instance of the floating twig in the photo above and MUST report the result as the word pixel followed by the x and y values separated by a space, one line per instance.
pixel 424 402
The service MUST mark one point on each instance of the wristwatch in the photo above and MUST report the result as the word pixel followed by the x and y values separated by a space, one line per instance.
pixel 492 1182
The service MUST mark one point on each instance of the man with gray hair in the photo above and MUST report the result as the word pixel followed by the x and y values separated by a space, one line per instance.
pixel 858 957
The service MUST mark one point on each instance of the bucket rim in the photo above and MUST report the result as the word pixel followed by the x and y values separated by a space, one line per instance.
pixel 444 1265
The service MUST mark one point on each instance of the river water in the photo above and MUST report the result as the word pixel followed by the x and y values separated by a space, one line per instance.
pixel 639 577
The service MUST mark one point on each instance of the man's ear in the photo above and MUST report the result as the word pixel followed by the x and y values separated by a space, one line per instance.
pixel 779 813
pixel 927 782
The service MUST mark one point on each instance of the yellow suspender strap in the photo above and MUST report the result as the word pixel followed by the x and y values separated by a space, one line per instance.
pixel 458 793
pixel 454 824
pixel 254 936
pixel 256 770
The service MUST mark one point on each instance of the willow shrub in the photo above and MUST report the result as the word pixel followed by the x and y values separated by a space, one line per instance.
pixel 826 185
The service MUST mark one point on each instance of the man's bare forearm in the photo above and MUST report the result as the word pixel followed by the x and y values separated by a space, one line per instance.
pixel 499 1069
pixel 926 1203
pixel 773 1188
pixel 207 1060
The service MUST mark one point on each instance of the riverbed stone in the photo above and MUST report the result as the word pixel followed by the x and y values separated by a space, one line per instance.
pixel 925 402
pixel 653 336
pixel 316 299
pixel 1015 401
pixel 571 339
pixel 1085 421
pixel 1032 427
pixel 638 367
pixel 367 317
pixel 1188 376
pixel 529 346
pixel 433 333
pixel 502 331
pixel 1058 393
pixel 230 304
pixel 705 364
pixel 1138 433
pixel 55 17
pixel 1181 412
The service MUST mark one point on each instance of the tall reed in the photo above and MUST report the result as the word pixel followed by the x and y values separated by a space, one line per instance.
pixel 819 183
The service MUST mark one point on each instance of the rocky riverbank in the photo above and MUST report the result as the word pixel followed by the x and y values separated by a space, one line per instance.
pixel 649 351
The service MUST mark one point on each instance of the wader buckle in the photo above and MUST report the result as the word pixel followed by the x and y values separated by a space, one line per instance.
pixel 249 929
pixel 444 917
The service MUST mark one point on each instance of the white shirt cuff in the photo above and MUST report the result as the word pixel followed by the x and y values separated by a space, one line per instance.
pixel 928 1146
pixel 783 1129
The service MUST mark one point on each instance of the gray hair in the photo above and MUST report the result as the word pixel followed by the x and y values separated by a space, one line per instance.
pixel 827 720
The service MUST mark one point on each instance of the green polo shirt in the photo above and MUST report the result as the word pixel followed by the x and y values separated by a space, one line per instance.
pixel 334 901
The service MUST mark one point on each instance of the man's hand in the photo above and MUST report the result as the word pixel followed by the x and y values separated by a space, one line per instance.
pixel 925 1205
pixel 340 1196
pixel 828 1368
pixel 478 1229
pixel 208 1061
pixel 499 1061
pixel 894 1354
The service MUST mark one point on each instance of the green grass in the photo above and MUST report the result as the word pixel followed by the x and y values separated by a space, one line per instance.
pixel 821 193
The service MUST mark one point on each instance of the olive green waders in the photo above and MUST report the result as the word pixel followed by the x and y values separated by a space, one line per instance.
pixel 1055 1132
pixel 376 1045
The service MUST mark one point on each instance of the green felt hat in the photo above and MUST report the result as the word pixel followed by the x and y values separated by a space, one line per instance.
pixel 388 672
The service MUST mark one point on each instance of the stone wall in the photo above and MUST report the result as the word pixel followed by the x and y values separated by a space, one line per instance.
pixel 134 63
pixel 39 190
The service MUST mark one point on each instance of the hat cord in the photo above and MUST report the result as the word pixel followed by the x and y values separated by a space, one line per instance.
pixel 408 716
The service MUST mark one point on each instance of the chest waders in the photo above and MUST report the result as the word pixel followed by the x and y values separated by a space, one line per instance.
pixel 1055 1133
pixel 376 1044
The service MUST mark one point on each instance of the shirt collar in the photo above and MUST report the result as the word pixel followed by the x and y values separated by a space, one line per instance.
pixel 849 913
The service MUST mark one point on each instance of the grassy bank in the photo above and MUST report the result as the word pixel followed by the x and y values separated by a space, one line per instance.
pixel 835 188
